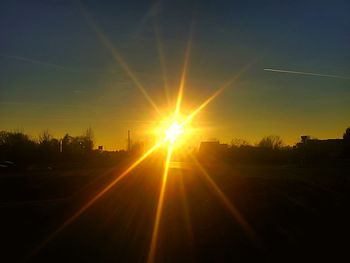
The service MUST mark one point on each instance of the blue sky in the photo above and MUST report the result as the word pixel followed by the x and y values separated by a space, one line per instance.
pixel 56 73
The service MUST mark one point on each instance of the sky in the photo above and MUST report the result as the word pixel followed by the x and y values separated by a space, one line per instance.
pixel 58 67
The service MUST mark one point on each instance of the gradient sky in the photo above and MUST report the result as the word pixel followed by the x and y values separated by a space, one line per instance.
pixel 57 74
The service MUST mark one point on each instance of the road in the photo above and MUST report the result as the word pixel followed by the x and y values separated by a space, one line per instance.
pixel 243 214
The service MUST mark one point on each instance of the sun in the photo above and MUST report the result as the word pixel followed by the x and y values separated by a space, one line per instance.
pixel 173 132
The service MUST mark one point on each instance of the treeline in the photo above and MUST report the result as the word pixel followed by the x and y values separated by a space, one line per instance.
pixel 272 150
pixel 20 150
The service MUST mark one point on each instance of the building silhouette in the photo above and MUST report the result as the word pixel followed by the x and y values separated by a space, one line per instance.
pixel 212 148
pixel 327 147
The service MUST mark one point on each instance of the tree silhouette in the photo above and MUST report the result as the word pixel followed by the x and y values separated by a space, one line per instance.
pixel 272 142
pixel 78 145
pixel 45 137
pixel 88 139
pixel 48 147
pixel 236 142
pixel 16 146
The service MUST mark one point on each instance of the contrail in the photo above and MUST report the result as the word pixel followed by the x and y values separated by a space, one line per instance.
pixel 306 73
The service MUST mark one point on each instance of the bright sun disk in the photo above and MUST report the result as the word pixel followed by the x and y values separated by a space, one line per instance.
pixel 174 131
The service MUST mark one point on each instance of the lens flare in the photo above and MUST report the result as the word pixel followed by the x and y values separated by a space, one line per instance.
pixel 173 132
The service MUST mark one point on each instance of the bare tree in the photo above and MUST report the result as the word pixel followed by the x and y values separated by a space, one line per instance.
pixel 89 139
pixel 273 142
pixel 45 137
pixel 89 134
pixel 236 143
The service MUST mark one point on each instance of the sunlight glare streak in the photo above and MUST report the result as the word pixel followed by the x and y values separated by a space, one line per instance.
pixel 161 60
pixel 213 96
pixel 233 210
pixel 97 196
pixel 186 211
pixel 119 59
pixel 202 106
pixel 155 232
pixel 184 74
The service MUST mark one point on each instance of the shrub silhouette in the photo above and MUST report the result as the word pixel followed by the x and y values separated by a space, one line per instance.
pixel 17 147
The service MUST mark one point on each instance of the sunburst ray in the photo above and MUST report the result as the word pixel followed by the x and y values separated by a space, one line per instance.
pixel 214 95
pixel 153 246
pixel 184 72
pixel 117 56
pixel 186 212
pixel 97 197
pixel 228 204
pixel 162 61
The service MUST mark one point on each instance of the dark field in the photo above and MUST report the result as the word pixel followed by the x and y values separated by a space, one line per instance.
pixel 298 214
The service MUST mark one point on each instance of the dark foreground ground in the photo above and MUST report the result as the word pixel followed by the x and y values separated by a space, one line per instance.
pixel 297 214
